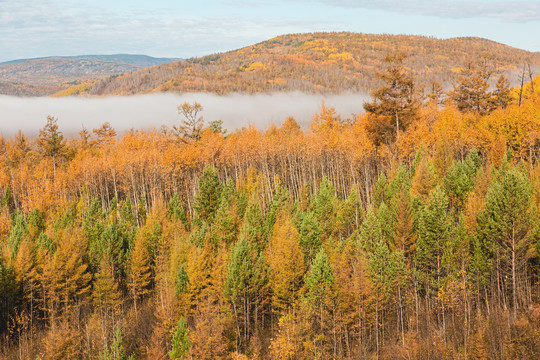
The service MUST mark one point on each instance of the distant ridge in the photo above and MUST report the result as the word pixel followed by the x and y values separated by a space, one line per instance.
pixel 132 59
pixel 49 75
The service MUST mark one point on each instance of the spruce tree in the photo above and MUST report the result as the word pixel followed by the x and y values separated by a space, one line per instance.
pixel 180 341
pixel 207 200
pixel 506 231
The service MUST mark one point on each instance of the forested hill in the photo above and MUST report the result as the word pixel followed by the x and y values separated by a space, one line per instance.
pixel 319 63
pixel 48 75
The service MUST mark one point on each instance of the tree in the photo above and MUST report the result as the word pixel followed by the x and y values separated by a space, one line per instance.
pixel 286 264
pixel 323 207
pixel 176 210
pixel 506 230
pixel 116 350
pixel 105 134
pixel 471 93
pixel 51 141
pixel 8 284
pixel 244 285
pixel 502 95
pixel 310 235
pixel 216 126
pixel 180 341
pixel 434 231
pixel 106 295
pixel 395 104
pixel 207 200
pixel 319 284
pixel 191 126
pixel 140 274
pixel 253 226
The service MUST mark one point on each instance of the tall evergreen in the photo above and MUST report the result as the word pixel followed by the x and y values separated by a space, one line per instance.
pixel 208 198
pixel 507 232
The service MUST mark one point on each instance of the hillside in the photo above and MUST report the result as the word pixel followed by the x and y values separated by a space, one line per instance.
pixel 318 63
pixel 45 76
pixel 137 60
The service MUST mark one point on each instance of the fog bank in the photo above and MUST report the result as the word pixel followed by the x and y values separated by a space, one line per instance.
pixel 155 110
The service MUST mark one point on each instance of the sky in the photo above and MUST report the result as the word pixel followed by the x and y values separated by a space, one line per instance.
pixel 180 28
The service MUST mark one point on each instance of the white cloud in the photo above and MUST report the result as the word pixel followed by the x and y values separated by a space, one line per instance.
pixel 508 11
pixel 48 27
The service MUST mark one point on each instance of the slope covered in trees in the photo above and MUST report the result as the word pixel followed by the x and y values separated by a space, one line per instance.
pixel 278 244
pixel 46 76
pixel 320 63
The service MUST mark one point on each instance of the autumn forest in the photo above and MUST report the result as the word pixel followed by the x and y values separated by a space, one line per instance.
pixel 408 231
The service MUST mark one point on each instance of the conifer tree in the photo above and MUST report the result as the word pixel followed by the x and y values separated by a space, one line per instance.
pixel 471 93
pixel 286 264
pixel 180 341
pixel 140 274
pixel 51 141
pixel 181 281
pixel 310 235
pixel 176 210
pixel 350 214
pixel 323 206
pixel 253 225
pixel 225 226
pixel 207 200
pixel 244 284
pixel 106 295
pixel 434 231
pixel 319 283
pixel 506 231
pixel 8 284
pixel 191 126
pixel 395 104
pixel 116 350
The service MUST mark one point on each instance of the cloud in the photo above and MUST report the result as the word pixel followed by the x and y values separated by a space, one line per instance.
pixel 55 27
pixel 242 3
pixel 146 111
pixel 508 11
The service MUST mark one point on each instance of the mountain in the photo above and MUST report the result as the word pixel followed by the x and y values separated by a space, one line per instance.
pixel 137 60
pixel 45 76
pixel 319 63
pixel 311 63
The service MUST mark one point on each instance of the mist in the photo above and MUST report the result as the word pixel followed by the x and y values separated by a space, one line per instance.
pixel 147 111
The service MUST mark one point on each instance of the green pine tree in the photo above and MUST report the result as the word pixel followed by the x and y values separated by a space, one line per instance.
pixel 180 341
pixel 207 200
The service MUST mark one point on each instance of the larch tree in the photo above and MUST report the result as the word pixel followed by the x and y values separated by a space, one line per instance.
pixel 191 125
pixel 140 272
pixel 51 141
pixel 471 93
pixel 502 95
pixel 395 104
pixel 286 264
pixel 104 135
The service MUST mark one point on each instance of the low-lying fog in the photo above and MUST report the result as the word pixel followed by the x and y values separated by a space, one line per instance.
pixel 146 111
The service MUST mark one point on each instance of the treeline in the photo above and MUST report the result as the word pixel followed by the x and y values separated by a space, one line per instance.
pixel 410 231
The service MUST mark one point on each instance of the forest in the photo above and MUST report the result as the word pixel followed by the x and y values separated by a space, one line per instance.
pixel 408 231
pixel 315 63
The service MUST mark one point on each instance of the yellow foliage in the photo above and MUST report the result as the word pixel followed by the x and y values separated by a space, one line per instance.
pixel 256 66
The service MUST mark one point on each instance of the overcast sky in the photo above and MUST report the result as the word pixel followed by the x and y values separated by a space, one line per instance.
pixel 178 28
